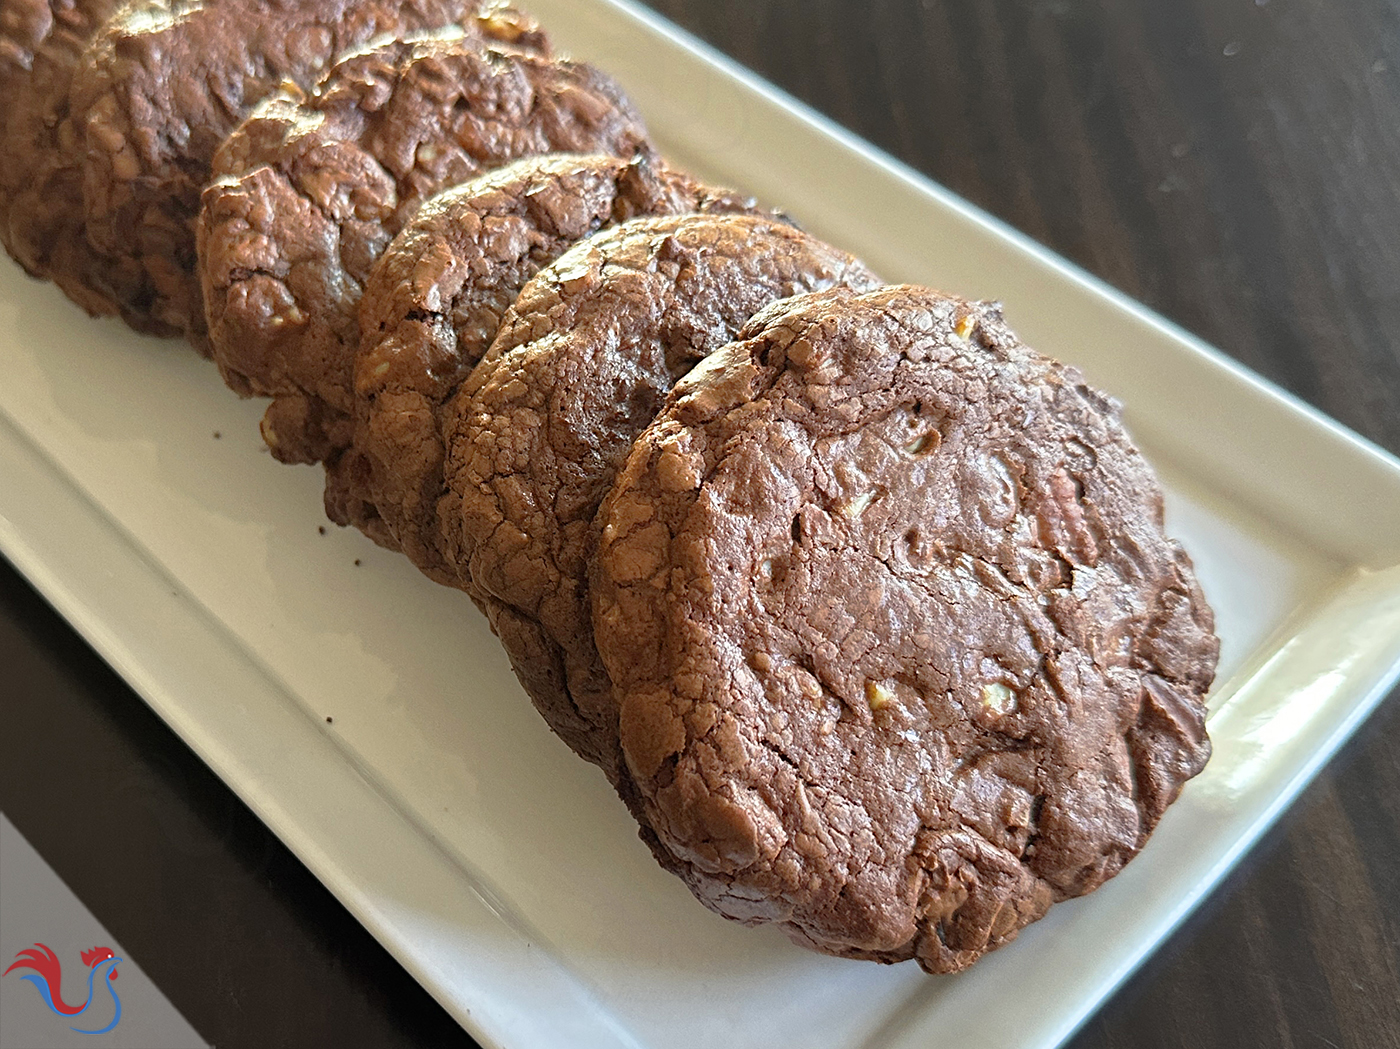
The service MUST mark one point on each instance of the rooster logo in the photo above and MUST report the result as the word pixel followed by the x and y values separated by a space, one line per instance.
pixel 47 975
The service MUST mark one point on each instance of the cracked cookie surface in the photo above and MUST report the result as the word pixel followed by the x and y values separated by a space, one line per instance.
pixel 435 300
pixel 311 190
pixel 583 361
pixel 41 43
pixel 163 84
pixel 901 651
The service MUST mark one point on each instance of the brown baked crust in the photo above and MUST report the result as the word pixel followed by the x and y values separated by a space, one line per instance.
pixel 41 42
pixel 24 26
pixel 435 300
pixel 161 87
pixel 312 190
pixel 583 361
pixel 901 652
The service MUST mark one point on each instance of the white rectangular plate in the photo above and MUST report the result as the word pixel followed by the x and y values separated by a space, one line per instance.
pixel 499 868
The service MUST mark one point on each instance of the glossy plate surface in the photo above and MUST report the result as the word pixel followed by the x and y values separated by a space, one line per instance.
pixel 437 806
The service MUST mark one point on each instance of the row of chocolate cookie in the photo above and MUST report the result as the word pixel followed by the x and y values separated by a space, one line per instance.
pixel 899 652
pixel 870 620
pixel 876 632
pixel 112 114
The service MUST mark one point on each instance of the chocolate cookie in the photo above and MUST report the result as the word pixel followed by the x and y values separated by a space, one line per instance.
pixel 41 42
pixel 901 652
pixel 162 85
pixel 583 361
pixel 435 299
pixel 24 26
pixel 312 190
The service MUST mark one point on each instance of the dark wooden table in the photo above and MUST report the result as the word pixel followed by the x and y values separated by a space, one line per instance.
pixel 1235 165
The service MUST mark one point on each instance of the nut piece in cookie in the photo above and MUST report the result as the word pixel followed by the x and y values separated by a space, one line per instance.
pixel 162 85
pixel 584 359
pixel 901 651
pixel 310 191
pixel 435 300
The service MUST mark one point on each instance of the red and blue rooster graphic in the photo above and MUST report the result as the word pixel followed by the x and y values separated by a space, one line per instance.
pixel 48 977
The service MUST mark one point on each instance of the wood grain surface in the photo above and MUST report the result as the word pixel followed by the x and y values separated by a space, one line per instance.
pixel 1235 164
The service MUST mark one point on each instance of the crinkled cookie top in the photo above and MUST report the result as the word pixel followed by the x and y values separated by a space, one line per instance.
pixel 41 42
pixel 901 651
